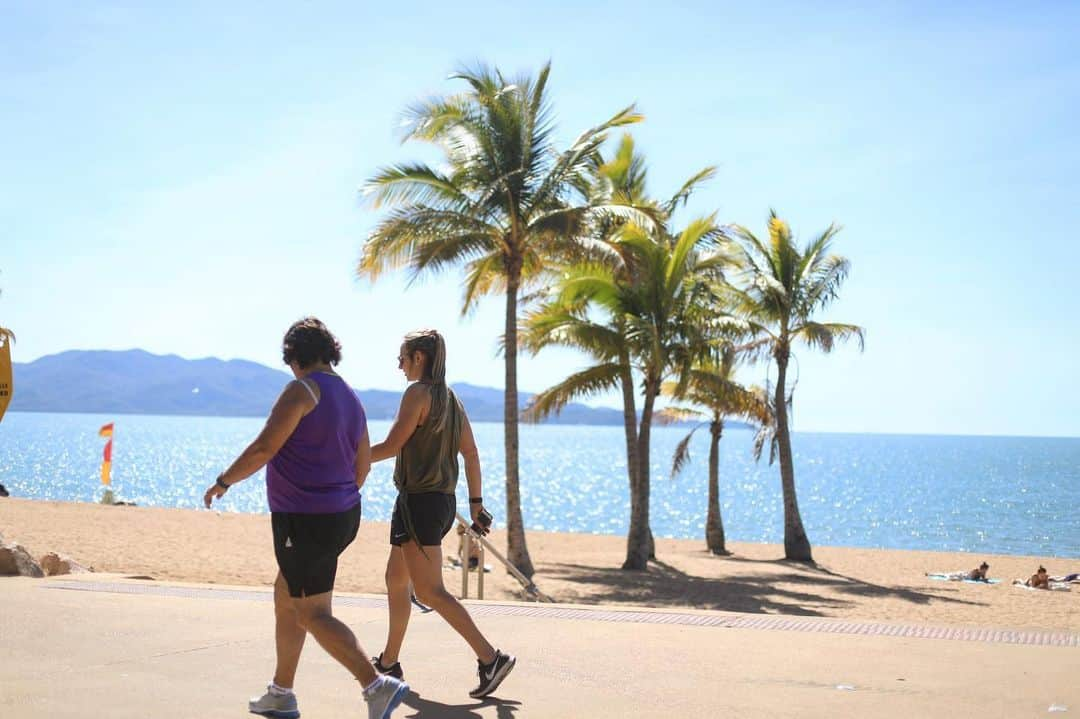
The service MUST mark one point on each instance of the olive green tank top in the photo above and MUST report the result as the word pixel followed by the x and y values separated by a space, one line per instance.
pixel 429 460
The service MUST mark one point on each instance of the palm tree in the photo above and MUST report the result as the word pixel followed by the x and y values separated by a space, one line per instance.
pixel 502 207
pixel 783 288
pixel 619 181
pixel 655 310
pixel 714 395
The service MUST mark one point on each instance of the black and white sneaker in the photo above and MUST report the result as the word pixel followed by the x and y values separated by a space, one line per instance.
pixel 394 670
pixel 491 675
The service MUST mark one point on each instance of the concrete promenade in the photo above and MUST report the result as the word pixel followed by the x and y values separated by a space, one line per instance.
pixel 101 646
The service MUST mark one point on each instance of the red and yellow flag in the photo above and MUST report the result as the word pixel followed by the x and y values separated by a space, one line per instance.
pixel 7 384
pixel 106 464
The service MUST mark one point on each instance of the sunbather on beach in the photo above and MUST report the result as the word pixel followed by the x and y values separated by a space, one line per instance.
pixel 430 430
pixel 317 455
pixel 978 574
pixel 1039 580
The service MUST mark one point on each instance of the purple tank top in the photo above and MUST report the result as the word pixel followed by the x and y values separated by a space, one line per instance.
pixel 314 472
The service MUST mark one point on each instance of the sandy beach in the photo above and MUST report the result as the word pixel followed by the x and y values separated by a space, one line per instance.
pixel 871 584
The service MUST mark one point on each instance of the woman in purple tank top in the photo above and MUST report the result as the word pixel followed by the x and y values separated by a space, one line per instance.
pixel 317 455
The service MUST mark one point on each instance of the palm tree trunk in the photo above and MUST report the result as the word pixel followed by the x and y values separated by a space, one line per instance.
pixel 629 422
pixel 796 543
pixel 638 540
pixel 516 550
pixel 714 526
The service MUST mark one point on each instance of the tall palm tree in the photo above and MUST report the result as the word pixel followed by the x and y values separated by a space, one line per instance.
pixel 655 321
pixel 712 394
pixel 782 288
pixel 501 207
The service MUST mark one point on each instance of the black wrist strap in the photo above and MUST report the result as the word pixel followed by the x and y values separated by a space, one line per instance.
pixel 476 500
pixel 219 482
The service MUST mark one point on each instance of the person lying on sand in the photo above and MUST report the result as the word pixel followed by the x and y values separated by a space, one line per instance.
pixel 1039 580
pixel 978 574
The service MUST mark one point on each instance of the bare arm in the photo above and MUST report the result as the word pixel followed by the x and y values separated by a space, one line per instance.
pixel 413 402
pixel 295 401
pixel 471 455
pixel 363 459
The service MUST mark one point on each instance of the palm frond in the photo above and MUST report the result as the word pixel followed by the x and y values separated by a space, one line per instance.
pixel 416 184
pixel 824 335
pixel 398 239
pixel 579 152
pixel 688 188
pixel 483 276
pixel 823 285
pixel 682 453
pixel 674 414
pixel 593 380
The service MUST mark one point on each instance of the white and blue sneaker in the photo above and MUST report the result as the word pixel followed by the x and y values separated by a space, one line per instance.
pixel 384 696
pixel 279 706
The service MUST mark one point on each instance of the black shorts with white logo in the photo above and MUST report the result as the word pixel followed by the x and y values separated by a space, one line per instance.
pixel 432 515
pixel 307 547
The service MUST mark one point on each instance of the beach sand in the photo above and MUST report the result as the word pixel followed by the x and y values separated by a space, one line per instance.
pixel 872 584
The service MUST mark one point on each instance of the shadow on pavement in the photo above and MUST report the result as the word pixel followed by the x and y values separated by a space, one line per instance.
pixel 429 709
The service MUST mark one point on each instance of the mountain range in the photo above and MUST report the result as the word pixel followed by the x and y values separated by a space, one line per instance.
pixel 138 382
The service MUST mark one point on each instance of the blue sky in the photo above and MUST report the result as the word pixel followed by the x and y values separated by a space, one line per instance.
pixel 185 179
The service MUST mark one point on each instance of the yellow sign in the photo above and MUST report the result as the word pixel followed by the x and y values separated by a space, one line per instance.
pixel 7 383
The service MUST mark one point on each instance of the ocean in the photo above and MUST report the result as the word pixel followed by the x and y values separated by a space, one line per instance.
pixel 1007 495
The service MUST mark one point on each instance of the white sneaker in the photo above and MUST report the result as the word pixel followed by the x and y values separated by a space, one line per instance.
pixel 279 706
pixel 383 698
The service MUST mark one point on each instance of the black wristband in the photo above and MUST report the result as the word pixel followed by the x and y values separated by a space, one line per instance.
pixel 221 483
pixel 476 500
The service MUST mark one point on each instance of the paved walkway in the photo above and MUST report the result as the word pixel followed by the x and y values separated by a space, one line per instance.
pixel 108 647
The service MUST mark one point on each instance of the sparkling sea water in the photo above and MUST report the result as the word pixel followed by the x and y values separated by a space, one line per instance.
pixel 1009 495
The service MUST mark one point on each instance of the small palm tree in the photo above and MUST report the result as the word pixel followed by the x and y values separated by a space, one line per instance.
pixel 656 321
pixel 710 392
pixel 782 288
pixel 503 207
pixel 619 181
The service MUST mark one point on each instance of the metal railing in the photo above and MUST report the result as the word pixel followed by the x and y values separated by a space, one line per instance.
pixel 467 539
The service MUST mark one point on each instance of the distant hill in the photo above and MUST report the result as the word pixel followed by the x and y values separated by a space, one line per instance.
pixel 138 382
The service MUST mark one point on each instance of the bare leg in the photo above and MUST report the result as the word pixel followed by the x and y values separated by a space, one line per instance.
pixel 426 574
pixel 398 588
pixel 334 636
pixel 288 635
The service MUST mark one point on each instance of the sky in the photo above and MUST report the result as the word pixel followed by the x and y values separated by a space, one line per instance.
pixel 185 179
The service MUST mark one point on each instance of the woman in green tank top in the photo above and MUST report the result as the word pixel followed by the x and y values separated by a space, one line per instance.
pixel 430 431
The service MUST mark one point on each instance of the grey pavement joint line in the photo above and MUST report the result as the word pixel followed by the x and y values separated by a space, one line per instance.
pixel 730 621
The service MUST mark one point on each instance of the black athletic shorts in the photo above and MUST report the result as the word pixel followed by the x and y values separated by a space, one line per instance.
pixel 307 547
pixel 432 515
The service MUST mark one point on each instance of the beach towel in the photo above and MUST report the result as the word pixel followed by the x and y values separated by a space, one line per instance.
pixel 1054 586
pixel 959 577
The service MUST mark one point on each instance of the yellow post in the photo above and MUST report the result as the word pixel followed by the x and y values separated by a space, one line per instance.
pixel 7 381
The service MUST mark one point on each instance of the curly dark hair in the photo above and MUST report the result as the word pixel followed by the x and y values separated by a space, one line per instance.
pixel 307 342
